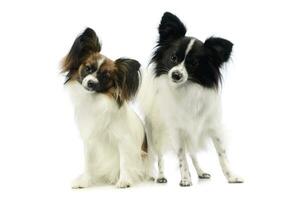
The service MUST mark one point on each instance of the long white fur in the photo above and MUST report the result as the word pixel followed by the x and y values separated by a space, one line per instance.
pixel 112 139
pixel 180 117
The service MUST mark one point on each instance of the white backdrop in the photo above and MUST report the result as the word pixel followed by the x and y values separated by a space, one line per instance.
pixel 40 148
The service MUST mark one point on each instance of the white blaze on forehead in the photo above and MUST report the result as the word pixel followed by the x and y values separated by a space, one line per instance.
pixel 100 61
pixel 180 68
pixel 189 47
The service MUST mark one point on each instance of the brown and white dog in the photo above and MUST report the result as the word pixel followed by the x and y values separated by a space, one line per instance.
pixel 112 133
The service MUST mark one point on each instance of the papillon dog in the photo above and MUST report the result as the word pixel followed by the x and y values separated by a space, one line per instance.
pixel 180 98
pixel 112 134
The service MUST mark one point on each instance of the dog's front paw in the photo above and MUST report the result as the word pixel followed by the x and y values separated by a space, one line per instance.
pixel 81 182
pixel 204 176
pixel 123 184
pixel 185 183
pixel 150 178
pixel 235 179
pixel 161 180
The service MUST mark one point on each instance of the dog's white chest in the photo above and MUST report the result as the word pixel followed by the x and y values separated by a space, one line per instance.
pixel 179 112
pixel 181 108
pixel 93 113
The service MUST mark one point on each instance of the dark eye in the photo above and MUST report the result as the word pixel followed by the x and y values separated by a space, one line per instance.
pixel 89 69
pixel 104 76
pixel 174 58
pixel 195 62
pixel 107 74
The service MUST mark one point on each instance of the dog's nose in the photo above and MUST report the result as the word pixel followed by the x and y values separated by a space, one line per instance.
pixel 91 84
pixel 176 75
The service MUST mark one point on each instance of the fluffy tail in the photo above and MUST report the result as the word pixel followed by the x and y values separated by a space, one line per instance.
pixel 146 92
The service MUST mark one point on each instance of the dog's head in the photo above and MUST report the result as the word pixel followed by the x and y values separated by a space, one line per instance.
pixel 185 58
pixel 97 73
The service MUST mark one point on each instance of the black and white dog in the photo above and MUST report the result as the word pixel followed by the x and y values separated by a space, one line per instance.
pixel 180 99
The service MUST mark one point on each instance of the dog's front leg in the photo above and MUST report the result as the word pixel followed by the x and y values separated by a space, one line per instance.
pixel 185 174
pixel 86 179
pixel 124 179
pixel 161 177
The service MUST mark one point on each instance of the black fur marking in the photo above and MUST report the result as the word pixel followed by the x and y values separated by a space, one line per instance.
pixel 105 82
pixel 203 61
pixel 163 56
pixel 170 28
pixel 220 49
pixel 204 176
pixel 161 180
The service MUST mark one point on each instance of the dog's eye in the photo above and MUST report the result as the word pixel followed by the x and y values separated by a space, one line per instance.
pixel 174 58
pixel 89 69
pixel 107 74
pixel 195 62
pixel 104 76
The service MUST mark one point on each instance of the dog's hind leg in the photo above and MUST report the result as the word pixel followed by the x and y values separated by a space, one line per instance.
pixel 149 163
pixel 200 172
pixel 223 160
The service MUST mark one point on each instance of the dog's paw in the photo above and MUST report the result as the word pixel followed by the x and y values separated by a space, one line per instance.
pixel 204 176
pixel 123 184
pixel 81 182
pixel 235 179
pixel 150 178
pixel 161 180
pixel 185 183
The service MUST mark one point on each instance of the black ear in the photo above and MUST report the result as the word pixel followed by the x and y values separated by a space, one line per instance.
pixel 84 45
pixel 127 79
pixel 219 48
pixel 170 28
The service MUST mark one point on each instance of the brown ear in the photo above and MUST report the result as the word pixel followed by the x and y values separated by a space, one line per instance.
pixel 127 79
pixel 84 45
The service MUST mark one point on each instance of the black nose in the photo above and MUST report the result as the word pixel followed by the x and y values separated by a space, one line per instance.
pixel 176 75
pixel 91 84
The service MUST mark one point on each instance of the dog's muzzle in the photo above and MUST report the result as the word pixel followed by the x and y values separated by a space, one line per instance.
pixel 177 76
pixel 90 83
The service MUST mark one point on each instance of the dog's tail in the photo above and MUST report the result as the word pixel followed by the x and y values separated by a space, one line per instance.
pixel 146 92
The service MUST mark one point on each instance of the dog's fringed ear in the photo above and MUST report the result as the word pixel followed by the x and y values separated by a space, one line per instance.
pixel 84 45
pixel 220 49
pixel 127 79
pixel 170 28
